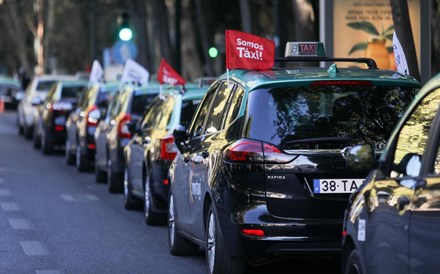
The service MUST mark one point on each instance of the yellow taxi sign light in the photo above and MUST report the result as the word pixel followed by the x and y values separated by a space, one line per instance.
pixel 304 49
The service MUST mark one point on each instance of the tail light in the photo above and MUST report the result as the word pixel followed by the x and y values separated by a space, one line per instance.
pixel 253 232
pixel 92 116
pixel 123 131
pixel 255 151
pixel 168 149
pixel 59 128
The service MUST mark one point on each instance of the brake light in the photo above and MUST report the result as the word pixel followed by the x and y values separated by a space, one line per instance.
pixel 123 131
pixel 168 149
pixel 253 232
pixel 255 151
pixel 59 128
pixel 342 83
pixel 92 116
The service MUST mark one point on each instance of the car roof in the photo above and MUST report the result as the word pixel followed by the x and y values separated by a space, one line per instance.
pixel 9 81
pixel 252 79
pixel 72 83
pixel 54 77
pixel 188 92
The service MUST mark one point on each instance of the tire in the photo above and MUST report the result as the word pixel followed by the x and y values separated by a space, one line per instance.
pixel 82 163
pixel 217 258
pixel 353 264
pixel 36 139
pixel 70 159
pixel 115 181
pixel 151 217
pixel 177 244
pixel 130 202
pixel 28 132
pixel 46 145
pixel 100 176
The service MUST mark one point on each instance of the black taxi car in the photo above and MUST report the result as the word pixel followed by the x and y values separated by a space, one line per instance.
pixel 392 222
pixel 151 150
pixel 261 168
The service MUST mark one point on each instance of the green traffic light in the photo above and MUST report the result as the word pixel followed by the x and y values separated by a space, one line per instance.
pixel 213 52
pixel 125 34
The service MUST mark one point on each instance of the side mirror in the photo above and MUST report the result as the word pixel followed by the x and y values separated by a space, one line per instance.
pixel 36 101
pixel 180 135
pixel 133 127
pixel 359 157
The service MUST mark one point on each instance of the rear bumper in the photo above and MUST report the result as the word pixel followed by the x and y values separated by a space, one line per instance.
pixel 281 235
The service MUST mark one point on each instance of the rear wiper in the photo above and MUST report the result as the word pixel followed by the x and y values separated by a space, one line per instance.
pixel 319 140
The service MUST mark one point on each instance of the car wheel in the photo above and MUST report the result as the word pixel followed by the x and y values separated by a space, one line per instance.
pixel 70 159
pixel 151 217
pixel 217 257
pixel 46 145
pixel 36 139
pixel 82 163
pixel 177 244
pixel 100 176
pixel 27 132
pixel 115 181
pixel 353 264
pixel 130 202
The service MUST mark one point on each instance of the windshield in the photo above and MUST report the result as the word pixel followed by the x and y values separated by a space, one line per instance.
pixel 44 86
pixel 141 102
pixel 326 117
pixel 71 92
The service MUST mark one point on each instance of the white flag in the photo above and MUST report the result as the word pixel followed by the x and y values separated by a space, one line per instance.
pixel 97 73
pixel 399 56
pixel 134 73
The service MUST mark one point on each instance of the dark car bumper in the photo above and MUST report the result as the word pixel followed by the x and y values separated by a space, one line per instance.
pixel 281 236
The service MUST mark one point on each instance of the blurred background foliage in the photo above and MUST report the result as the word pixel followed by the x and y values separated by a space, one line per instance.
pixel 65 36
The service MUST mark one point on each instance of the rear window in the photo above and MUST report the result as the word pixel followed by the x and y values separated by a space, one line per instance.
pixel 71 92
pixel 44 86
pixel 326 117
pixel 141 102
pixel 189 107
pixel 104 97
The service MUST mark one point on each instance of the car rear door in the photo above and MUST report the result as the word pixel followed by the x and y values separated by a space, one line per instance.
pixel 424 236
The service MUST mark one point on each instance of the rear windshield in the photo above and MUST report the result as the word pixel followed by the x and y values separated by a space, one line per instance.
pixel 327 117
pixel 188 109
pixel 71 92
pixel 44 86
pixel 104 97
pixel 141 102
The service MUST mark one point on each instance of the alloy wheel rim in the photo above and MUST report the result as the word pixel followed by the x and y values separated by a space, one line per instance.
pixel 147 196
pixel 126 184
pixel 211 242
pixel 171 224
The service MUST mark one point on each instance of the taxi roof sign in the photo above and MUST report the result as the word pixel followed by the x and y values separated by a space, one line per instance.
pixel 304 49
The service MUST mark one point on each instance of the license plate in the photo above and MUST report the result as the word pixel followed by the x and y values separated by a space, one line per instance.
pixel 330 186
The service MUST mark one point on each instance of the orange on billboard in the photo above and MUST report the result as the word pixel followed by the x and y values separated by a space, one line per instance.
pixel 364 28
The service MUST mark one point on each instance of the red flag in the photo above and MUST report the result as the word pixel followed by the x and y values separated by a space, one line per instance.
pixel 167 74
pixel 248 51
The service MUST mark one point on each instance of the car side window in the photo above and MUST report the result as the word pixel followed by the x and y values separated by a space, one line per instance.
pixel 413 137
pixel 112 107
pixel 214 122
pixel 234 104
pixel 197 127
pixel 151 117
pixel 166 111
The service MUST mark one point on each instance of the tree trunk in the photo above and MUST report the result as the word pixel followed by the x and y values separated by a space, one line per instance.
pixel 17 33
pixel 190 52
pixel 47 42
pixel 202 24
pixel 305 19
pixel 138 9
pixel 246 21
pixel 402 26
pixel 40 36
pixel 160 26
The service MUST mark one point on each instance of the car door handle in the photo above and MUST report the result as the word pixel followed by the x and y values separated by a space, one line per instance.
pixel 146 140
pixel 402 202
pixel 205 154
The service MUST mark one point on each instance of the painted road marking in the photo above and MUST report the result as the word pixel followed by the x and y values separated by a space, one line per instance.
pixel 5 192
pixel 79 197
pixel 67 198
pixel 33 248
pixel 48 271
pixel 10 206
pixel 20 224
